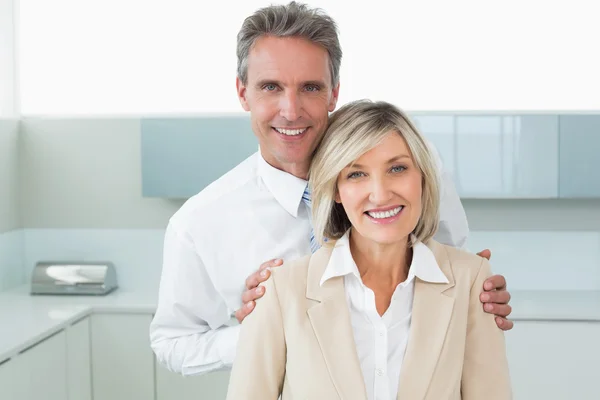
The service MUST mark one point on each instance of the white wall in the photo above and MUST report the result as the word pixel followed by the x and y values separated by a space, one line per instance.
pixel 11 248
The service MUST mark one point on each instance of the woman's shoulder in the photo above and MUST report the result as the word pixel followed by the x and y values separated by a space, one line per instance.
pixel 462 262
pixel 296 274
pixel 291 270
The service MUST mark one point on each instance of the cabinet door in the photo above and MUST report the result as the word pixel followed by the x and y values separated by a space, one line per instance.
pixel 170 386
pixel 13 380
pixel 43 368
pixel 79 375
pixel 497 156
pixel 122 360
pixel 507 156
pixel 554 360
pixel 579 155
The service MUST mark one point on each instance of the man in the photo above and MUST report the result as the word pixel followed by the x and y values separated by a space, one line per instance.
pixel 288 79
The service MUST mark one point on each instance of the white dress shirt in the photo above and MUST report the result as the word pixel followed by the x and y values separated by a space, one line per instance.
pixel 219 237
pixel 381 340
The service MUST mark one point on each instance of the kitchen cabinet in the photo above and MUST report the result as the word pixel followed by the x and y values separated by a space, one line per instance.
pixel 42 369
pixel 212 386
pixel 79 374
pixel 13 382
pixel 181 156
pixel 554 360
pixel 122 360
pixel 497 156
pixel 579 155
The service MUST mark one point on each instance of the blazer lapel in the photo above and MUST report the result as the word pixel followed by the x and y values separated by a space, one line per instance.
pixel 330 320
pixel 431 314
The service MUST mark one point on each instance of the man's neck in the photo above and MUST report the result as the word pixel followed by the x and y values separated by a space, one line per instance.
pixel 299 170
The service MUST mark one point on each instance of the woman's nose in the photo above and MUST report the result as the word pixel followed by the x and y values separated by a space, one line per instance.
pixel 380 190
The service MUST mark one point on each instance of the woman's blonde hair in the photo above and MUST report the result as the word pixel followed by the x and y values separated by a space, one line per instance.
pixel 353 130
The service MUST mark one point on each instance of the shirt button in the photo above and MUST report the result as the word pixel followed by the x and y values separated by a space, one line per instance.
pixel 381 333
pixel 379 372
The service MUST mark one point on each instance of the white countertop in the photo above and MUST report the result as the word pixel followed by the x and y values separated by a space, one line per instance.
pixel 26 319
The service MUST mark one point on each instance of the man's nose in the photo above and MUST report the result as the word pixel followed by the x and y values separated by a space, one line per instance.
pixel 290 106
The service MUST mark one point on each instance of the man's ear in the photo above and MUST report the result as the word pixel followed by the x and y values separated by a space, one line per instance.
pixel 334 98
pixel 241 92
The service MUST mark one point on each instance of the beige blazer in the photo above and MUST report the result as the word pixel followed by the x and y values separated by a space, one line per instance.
pixel 298 342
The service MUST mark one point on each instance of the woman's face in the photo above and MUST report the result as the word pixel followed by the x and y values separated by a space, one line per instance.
pixel 381 192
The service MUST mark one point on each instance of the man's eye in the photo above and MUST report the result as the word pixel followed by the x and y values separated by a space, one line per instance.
pixel 270 87
pixel 312 88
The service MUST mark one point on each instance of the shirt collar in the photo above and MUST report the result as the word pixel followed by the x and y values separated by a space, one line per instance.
pixel 424 265
pixel 285 187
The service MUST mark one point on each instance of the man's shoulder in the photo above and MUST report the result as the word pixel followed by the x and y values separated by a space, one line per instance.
pixel 213 197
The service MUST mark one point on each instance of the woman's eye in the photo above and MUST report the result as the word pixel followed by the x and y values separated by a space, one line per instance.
pixel 356 174
pixel 398 168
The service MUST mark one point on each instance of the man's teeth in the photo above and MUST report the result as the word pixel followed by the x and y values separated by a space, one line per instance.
pixel 385 214
pixel 290 132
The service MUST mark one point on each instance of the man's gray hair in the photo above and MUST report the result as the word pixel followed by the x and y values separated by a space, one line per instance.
pixel 291 20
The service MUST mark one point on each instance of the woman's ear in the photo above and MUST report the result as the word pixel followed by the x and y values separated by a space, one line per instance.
pixel 337 197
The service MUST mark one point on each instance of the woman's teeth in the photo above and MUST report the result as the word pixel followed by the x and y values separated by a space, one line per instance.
pixel 385 214
pixel 290 132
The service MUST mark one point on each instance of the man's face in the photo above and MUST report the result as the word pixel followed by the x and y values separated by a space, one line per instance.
pixel 289 95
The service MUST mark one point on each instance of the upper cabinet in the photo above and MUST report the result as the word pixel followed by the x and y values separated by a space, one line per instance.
pixel 490 156
pixel 579 156
pixel 181 156
pixel 497 156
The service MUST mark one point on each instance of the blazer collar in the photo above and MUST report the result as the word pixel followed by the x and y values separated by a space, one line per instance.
pixel 330 319
pixel 432 310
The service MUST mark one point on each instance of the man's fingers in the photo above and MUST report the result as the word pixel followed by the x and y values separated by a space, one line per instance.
pixel 495 282
pixel 504 324
pixel 253 294
pixel 500 310
pixel 499 297
pixel 485 254
pixel 244 311
pixel 252 281
pixel 276 262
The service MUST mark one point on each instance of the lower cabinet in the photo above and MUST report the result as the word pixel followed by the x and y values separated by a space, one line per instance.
pixel 554 360
pixel 171 386
pixel 122 360
pixel 79 371
pixel 13 382
pixel 41 370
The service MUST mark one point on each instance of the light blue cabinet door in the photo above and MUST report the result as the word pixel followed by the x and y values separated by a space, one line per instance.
pixel 181 156
pixel 497 156
pixel 440 131
pixel 580 156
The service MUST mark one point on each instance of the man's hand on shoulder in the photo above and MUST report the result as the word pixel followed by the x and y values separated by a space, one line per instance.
pixel 253 290
pixel 495 297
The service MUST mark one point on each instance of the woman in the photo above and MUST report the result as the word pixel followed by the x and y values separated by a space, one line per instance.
pixel 380 311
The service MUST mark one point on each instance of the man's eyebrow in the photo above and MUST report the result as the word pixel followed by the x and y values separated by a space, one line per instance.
pixel 316 83
pixel 264 82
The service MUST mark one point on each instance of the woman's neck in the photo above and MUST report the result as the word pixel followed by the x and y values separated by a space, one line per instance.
pixel 384 264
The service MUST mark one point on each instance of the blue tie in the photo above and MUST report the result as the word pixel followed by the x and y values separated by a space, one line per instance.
pixel 314 246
